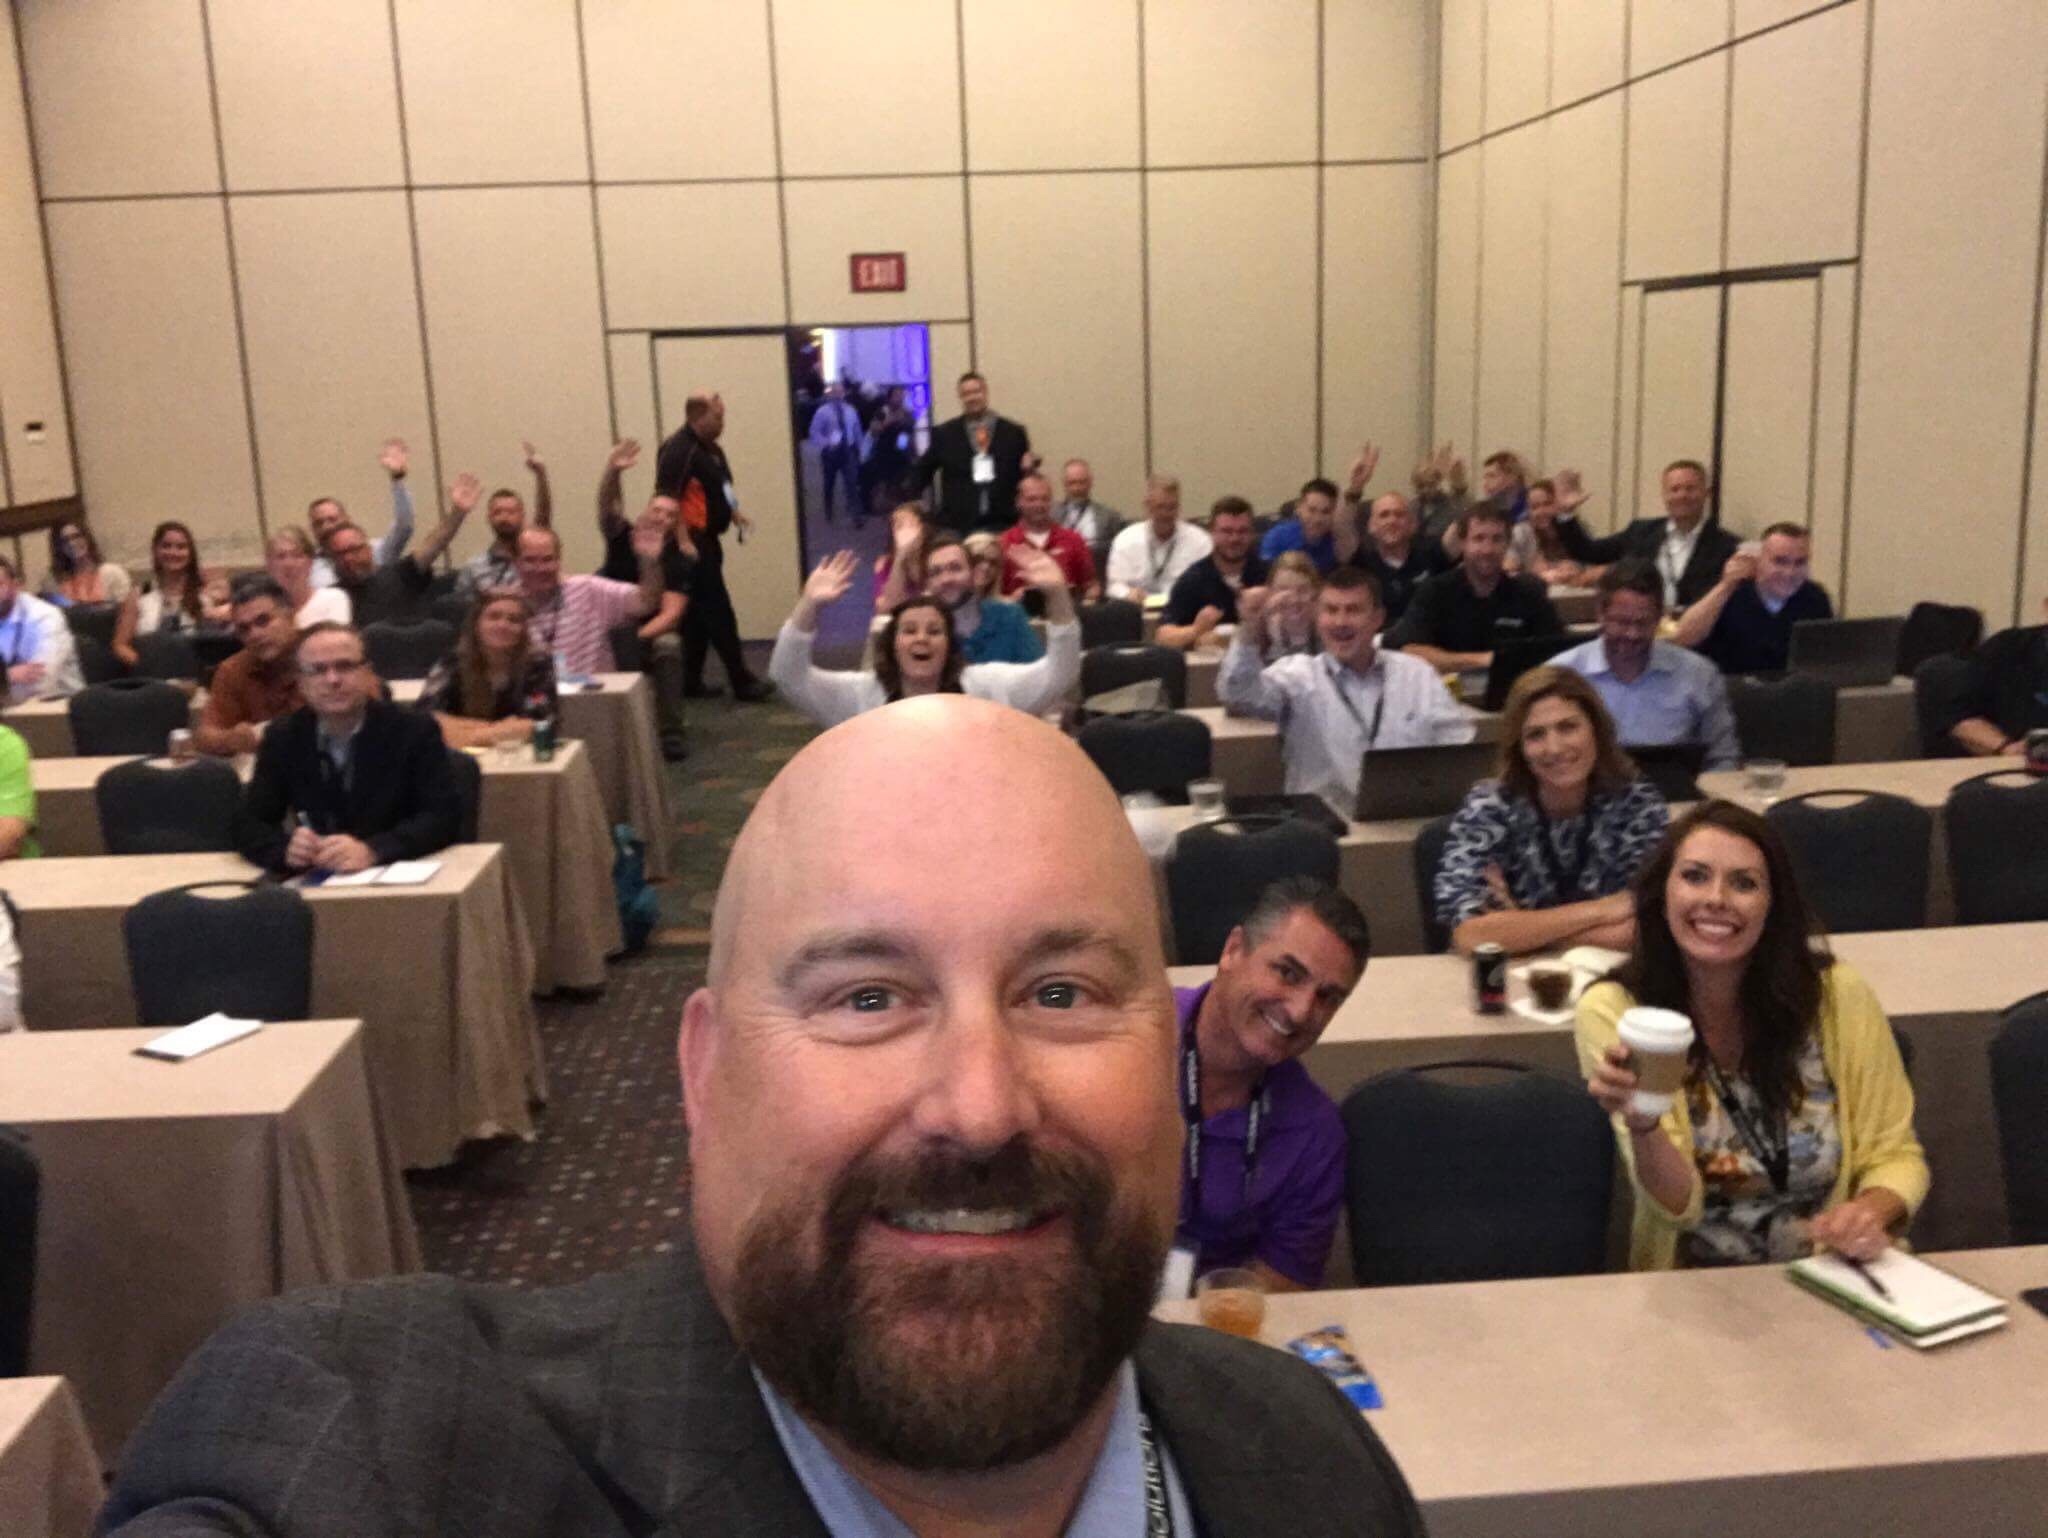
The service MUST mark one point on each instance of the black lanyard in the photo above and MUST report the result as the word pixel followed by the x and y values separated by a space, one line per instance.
pixel 1158 1509
pixel 552 614
pixel 1379 710
pixel 1566 878
pixel 1774 1151
pixel 1191 1113
pixel 1159 566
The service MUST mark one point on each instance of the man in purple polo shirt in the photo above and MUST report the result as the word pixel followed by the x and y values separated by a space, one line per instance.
pixel 1262 1182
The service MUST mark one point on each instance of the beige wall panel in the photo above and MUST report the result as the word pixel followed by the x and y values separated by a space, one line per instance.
pixel 1951 233
pixel 1582 287
pixel 1755 15
pixel 1796 141
pixel 1375 79
pixel 1768 404
pixel 308 97
pixel 1831 427
pixel 924 217
pixel 149 338
pixel 1375 316
pixel 1512 245
pixel 1228 83
pixel 118 93
pixel 829 58
pixel 38 467
pixel 1461 67
pixel 1051 84
pixel 752 373
pixel 952 345
pixel 1213 234
pixel 1681 339
pixel 661 273
pixel 1615 509
pixel 1517 61
pixel 646 122
pixel 1456 348
pixel 2033 575
pixel 632 365
pixel 493 92
pixel 1060 315
pixel 1676 150
pixel 1588 47
pixel 1662 32
pixel 517 344
pixel 335 367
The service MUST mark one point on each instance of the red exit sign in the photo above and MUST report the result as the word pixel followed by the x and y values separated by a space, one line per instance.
pixel 878 272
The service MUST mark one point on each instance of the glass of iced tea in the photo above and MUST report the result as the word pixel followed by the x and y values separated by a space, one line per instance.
pixel 1231 1300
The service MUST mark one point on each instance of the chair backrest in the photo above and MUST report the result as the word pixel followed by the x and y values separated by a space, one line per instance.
pixel 469 788
pixel 249 955
pixel 1791 718
pixel 146 808
pixel 1997 827
pixel 1428 854
pixel 629 652
pixel 20 1203
pixel 1441 1185
pixel 1937 704
pixel 96 620
pixel 97 663
pixel 166 654
pixel 213 647
pixel 1155 750
pixel 1938 630
pixel 1112 667
pixel 126 716
pixel 1219 869
pixel 450 609
pixel 1111 622
pixel 1862 865
pixel 2019 1090
pixel 406 648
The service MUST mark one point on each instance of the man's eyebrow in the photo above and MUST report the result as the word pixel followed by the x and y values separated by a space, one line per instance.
pixel 841 945
pixel 1065 939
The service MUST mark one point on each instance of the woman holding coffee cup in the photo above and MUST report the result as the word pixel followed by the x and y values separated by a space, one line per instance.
pixel 1543 855
pixel 1787 1118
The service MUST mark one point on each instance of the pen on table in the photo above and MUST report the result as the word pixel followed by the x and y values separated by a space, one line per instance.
pixel 1869 1276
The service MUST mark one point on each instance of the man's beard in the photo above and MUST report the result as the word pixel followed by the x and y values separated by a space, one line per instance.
pixel 964 1364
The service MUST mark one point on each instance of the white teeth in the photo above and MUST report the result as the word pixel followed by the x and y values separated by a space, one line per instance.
pixel 960 1220
pixel 1276 1023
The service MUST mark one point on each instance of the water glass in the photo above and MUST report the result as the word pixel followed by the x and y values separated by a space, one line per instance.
pixel 1764 778
pixel 1205 799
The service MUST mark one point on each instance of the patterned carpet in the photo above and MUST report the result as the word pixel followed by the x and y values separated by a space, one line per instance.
pixel 605 1179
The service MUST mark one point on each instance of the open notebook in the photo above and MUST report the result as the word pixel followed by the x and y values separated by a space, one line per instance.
pixel 1928 1306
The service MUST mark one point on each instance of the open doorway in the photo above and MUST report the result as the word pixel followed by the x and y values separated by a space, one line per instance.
pixel 861 414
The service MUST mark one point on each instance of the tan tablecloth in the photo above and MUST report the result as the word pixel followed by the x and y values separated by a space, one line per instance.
pixel 549 817
pixel 439 974
pixel 175 1193
pixel 1695 1403
pixel 45 725
pixel 49 1474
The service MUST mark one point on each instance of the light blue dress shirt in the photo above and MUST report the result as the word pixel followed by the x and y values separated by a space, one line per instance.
pixel 1679 697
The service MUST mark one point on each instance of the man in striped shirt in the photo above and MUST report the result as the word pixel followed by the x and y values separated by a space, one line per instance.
pixel 573 617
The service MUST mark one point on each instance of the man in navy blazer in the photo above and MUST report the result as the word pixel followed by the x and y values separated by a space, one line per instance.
pixel 362 782
pixel 1687 548
pixel 978 458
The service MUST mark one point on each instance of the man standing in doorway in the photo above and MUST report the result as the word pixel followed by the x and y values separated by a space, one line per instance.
pixel 978 458
pixel 835 433
pixel 693 470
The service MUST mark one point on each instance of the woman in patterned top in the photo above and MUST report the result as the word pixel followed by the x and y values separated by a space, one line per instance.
pixel 1543 855
pixel 1795 1124
pixel 496 683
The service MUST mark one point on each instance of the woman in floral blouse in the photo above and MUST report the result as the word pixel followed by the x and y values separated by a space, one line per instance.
pixel 1543 855
pixel 497 682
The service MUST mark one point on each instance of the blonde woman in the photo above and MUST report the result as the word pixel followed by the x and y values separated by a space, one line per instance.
pixel 288 557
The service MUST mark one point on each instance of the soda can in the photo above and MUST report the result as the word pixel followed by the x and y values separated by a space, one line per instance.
pixel 1490 979
pixel 544 739
pixel 179 749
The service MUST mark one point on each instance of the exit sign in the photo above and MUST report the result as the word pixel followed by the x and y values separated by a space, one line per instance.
pixel 878 272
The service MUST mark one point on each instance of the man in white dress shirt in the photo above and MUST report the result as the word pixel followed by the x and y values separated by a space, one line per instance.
pixel 1147 558
pixel 1334 705
pixel 36 645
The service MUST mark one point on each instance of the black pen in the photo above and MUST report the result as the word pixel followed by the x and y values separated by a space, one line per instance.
pixel 1869 1276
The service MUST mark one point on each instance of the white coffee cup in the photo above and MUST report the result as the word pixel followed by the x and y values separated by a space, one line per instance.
pixel 1658 1041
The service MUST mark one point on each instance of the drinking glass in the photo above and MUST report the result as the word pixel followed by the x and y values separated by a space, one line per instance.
pixel 1764 778
pixel 1205 799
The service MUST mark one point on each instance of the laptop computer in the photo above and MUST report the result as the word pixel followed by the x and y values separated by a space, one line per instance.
pixel 1420 782
pixel 1511 659
pixel 1847 652
pixel 1673 767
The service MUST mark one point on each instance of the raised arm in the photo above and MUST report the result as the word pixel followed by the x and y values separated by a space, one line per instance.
pixel 825 696
pixel 396 459
pixel 463 493
pixel 611 496
pixel 1241 680
pixel 1697 622
pixel 543 496
pixel 1348 527
pixel 1036 687
pixel 906 533
pixel 650 533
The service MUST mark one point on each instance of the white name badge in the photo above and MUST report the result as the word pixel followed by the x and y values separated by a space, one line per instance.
pixel 732 497
pixel 1177 1281
pixel 984 469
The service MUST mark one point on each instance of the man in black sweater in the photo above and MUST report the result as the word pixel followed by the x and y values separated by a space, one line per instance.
pixel 1743 623
pixel 1457 618
pixel 978 458
pixel 693 469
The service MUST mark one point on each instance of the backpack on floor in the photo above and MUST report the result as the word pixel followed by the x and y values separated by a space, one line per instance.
pixel 639 912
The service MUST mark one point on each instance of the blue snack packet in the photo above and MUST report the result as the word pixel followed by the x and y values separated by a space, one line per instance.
pixel 1328 1350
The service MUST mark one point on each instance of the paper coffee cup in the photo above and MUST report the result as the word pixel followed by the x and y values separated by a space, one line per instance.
pixel 1658 1041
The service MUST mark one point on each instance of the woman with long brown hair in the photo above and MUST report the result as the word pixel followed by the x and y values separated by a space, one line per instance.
pixel 1794 1126
pixel 177 597
pixel 496 683
pixel 79 579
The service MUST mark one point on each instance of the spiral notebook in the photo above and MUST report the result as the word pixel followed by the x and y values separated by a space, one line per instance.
pixel 1927 1307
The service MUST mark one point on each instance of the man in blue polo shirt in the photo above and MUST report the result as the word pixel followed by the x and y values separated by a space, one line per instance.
pixel 1262 1180
pixel 1743 624
pixel 1310 530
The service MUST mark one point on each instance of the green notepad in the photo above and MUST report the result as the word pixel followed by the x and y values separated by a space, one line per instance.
pixel 1928 1306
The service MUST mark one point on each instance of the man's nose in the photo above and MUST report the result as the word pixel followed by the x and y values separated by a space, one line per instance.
pixel 976 1091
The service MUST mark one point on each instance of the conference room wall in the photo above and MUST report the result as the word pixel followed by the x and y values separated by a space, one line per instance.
pixel 1173 239
pixel 32 468
pixel 1767 138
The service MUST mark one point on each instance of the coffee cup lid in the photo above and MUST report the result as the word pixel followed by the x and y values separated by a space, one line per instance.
pixel 1666 1027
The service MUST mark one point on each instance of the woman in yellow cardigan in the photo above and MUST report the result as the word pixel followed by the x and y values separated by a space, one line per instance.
pixel 1795 1125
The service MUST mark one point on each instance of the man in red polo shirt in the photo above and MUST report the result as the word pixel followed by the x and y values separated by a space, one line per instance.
pixel 1035 524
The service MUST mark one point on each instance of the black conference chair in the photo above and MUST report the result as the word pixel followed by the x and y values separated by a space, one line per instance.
pixel 20 1203
pixel 1997 828
pixel 97 663
pixel 1938 630
pixel 1113 667
pixel 1428 854
pixel 451 609
pixel 126 716
pixel 1790 718
pixel 629 653
pixel 1441 1185
pixel 1861 865
pixel 469 787
pixel 1938 704
pixel 249 956
pixel 2019 1088
pixel 1155 750
pixel 166 654
pixel 1111 622
pixel 94 621
pixel 213 647
pixel 148 808
pixel 1219 869
pixel 407 649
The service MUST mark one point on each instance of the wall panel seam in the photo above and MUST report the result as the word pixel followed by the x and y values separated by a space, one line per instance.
pixel 1322 228
pixel 1856 309
pixel 966 200
pixel 1813 397
pixel 781 192
pixel 412 231
pixel 1144 236
pixel 1621 287
pixel 2019 569
pixel 604 314
pixel 35 172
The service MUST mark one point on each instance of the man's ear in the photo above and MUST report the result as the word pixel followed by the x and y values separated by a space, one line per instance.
pixel 696 1047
